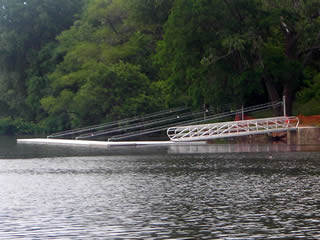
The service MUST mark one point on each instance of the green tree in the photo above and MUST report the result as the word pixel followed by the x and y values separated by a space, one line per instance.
pixel 25 27
pixel 309 96
pixel 238 51
pixel 205 47
pixel 106 70
pixel 150 15
pixel 291 46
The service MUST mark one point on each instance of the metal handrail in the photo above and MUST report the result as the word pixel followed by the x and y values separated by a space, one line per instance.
pixel 141 124
pixel 115 123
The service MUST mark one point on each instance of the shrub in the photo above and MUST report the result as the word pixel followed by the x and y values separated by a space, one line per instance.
pixel 8 126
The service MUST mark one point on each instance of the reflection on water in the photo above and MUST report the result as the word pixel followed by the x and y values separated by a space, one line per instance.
pixel 213 192
pixel 241 148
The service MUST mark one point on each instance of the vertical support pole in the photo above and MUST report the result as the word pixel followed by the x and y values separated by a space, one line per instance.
pixel 242 113
pixel 205 110
pixel 284 106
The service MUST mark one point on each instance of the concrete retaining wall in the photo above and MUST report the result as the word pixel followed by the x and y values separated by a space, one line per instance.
pixel 304 135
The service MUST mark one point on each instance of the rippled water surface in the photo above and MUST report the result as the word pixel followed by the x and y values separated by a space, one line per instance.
pixel 167 192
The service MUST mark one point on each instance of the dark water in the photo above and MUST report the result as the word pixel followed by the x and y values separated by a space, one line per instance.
pixel 176 192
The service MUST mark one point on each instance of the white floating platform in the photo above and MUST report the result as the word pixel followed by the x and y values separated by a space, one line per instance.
pixel 95 143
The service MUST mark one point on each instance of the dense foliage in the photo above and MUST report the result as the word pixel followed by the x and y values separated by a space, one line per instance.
pixel 72 63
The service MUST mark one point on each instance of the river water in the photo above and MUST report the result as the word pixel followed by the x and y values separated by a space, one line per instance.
pixel 164 192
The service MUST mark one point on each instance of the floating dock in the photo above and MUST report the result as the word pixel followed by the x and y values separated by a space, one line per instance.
pixel 89 143
pixel 96 143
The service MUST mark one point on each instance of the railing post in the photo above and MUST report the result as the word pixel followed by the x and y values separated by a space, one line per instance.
pixel 284 106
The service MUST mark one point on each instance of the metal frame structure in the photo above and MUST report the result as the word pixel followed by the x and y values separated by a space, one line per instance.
pixel 160 121
pixel 201 117
pixel 232 129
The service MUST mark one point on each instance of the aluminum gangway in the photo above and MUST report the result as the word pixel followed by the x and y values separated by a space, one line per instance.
pixel 232 129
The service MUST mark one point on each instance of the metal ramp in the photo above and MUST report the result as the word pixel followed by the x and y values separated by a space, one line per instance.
pixel 232 129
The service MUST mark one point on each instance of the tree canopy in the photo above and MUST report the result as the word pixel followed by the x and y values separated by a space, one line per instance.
pixel 25 28
pixel 73 63
pixel 239 51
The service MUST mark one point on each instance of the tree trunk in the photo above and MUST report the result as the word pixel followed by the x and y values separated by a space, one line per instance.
pixel 288 93
pixel 273 94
